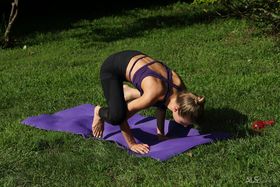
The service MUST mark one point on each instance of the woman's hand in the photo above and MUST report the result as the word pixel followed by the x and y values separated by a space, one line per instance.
pixel 140 148
pixel 133 146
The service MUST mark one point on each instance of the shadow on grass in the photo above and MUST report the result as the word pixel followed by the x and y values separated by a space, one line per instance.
pixel 43 144
pixel 140 26
pixel 55 16
pixel 225 120
pixel 95 33
pixel 215 120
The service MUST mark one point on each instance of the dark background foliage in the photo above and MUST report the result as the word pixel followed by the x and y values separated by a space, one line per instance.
pixel 264 13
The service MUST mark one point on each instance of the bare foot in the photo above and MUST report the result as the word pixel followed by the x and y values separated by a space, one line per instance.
pixel 127 95
pixel 130 93
pixel 97 124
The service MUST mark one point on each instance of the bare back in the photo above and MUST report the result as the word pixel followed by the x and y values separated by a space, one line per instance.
pixel 157 67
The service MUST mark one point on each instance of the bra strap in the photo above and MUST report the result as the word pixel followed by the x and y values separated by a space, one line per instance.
pixel 150 63
pixel 169 76
pixel 134 65
pixel 170 80
pixel 170 84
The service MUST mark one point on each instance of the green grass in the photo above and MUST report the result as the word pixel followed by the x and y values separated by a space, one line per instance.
pixel 227 60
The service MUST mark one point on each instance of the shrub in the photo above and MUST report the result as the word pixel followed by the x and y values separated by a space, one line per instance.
pixel 265 13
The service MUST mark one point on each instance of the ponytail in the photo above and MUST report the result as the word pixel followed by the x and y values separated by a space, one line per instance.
pixel 199 100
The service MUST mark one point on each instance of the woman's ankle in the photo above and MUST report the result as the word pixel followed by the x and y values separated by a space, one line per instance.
pixel 96 112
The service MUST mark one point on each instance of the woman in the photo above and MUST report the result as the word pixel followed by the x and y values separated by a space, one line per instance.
pixel 156 85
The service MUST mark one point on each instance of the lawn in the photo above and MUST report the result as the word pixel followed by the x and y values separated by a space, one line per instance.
pixel 228 60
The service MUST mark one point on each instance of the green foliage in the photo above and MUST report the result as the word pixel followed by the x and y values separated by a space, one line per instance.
pixel 265 13
pixel 204 1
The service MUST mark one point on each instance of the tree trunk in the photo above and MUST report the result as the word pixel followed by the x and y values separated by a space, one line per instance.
pixel 13 15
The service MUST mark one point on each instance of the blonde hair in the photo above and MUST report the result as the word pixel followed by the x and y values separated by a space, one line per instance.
pixel 190 104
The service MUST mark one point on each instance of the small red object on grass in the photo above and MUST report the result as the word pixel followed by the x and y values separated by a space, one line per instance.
pixel 262 124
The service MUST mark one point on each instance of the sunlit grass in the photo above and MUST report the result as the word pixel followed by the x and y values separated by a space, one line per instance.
pixel 224 59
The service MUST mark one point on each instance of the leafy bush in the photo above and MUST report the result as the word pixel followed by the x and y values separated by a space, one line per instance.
pixel 204 1
pixel 265 13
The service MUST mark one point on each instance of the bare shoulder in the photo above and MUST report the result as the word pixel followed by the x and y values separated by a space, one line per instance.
pixel 153 87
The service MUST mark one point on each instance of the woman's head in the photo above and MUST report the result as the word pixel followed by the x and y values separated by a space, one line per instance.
pixel 189 108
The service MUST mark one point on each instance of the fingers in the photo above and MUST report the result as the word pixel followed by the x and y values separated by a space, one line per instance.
pixel 145 149
pixel 140 148
pixel 146 146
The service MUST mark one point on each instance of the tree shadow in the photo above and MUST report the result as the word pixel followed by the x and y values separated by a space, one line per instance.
pixel 225 120
pixel 55 16
pixel 63 19
pixel 141 25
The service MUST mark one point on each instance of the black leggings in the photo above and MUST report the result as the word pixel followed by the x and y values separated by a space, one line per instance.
pixel 112 76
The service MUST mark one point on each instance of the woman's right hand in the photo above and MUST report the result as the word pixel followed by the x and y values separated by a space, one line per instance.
pixel 140 148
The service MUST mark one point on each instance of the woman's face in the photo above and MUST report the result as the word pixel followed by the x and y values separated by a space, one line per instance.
pixel 185 121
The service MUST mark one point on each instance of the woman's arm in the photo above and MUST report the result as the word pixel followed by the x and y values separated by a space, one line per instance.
pixel 133 107
pixel 146 100
pixel 151 94
pixel 160 116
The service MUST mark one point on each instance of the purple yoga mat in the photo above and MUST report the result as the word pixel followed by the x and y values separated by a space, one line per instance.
pixel 78 120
